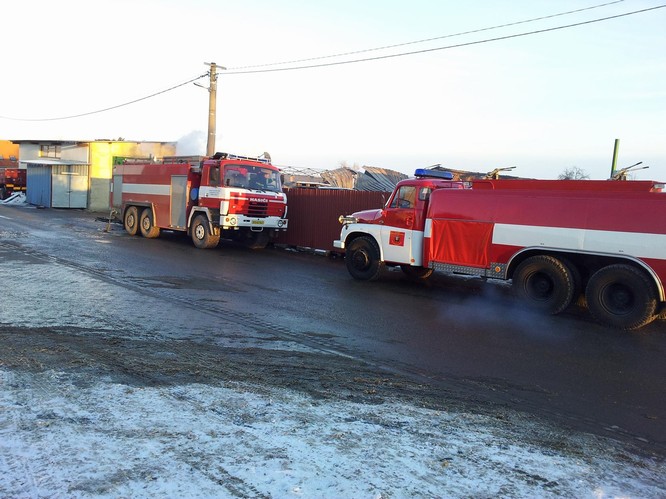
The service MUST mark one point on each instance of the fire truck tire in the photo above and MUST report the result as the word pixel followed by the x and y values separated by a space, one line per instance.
pixel 201 235
pixel 147 225
pixel 131 220
pixel 577 278
pixel 416 273
pixel 622 296
pixel 545 283
pixel 362 259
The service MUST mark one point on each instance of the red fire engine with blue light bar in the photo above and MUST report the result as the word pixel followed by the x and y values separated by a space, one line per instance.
pixel 555 239
pixel 226 195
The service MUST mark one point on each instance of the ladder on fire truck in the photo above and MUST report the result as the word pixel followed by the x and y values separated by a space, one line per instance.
pixel 262 158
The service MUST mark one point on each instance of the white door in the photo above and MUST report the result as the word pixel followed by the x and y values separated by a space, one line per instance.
pixel 69 186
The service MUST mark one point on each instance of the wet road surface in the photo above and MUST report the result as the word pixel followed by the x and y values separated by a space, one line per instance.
pixel 466 336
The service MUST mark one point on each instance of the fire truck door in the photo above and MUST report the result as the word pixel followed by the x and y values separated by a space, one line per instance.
pixel 397 232
pixel 178 201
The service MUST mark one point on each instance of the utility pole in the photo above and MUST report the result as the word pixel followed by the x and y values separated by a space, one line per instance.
pixel 212 105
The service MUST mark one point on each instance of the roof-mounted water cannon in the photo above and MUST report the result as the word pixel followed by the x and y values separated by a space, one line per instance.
pixel 494 175
pixel 622 174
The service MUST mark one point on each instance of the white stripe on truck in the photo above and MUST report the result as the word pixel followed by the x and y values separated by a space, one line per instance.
pixel 151 189
pixel 597 241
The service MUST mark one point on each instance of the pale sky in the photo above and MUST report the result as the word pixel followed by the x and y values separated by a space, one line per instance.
pixel 543 102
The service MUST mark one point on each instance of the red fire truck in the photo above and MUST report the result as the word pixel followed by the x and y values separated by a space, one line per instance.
pixel 228 196
pixel 12 179
pixel 556 239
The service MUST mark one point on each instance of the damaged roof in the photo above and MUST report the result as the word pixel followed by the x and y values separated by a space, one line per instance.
pixel 367 178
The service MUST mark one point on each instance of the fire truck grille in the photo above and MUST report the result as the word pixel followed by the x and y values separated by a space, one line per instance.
pixel 257 210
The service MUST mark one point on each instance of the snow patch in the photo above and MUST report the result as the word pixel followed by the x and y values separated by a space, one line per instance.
pixel 61 435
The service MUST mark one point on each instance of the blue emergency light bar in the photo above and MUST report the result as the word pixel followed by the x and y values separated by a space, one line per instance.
pixel 423 172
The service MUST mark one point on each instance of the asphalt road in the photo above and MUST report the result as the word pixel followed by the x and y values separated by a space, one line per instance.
pixel 465 335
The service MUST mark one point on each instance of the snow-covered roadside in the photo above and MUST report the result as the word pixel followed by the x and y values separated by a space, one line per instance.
pixel 63 434
pixel 81 419
pixel 16 198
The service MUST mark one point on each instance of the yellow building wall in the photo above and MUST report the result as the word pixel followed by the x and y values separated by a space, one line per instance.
pixel 8 149
pixel 101 165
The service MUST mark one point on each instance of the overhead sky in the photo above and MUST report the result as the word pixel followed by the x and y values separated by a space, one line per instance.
pixel 543 102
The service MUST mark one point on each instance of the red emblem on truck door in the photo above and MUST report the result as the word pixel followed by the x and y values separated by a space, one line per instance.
pixel 396 238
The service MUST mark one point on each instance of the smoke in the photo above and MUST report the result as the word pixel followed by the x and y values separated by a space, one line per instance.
pixel 497 310
pixel 192 144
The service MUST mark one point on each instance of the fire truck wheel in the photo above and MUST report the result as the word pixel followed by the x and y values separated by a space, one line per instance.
pixel 622 296
pixel 201 235
pixel 362 259
pixel 416 273
pixel 147 226
pixel 545 283
pixel 577 278
pixel 131 220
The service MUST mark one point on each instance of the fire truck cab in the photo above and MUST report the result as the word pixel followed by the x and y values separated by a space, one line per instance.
pixel 12 179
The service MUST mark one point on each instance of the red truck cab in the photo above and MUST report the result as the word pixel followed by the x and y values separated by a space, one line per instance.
pixel 12 179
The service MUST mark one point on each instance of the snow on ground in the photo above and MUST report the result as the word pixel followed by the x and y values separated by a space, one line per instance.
pixel 68 431
pixel 64 435
pixel 16 198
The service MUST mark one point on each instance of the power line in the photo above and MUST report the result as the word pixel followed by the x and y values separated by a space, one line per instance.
pixel 367 59
pixel 480 30
pixel 466 44
pixel 108 108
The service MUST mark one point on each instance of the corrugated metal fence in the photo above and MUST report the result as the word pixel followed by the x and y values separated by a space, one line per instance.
pixel 313 214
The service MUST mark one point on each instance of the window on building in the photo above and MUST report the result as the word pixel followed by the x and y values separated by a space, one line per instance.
pixel 49 151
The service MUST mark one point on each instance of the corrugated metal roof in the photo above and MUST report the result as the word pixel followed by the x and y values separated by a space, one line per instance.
pixel 53 161
pixel 378 179
pixel 368 178
pixel 342 177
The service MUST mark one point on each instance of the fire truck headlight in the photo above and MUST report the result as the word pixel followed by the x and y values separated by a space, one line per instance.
pixel 280 223
pixel 347 219
pixel 232 220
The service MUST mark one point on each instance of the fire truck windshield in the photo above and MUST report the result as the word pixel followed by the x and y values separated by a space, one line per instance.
pixel 252 177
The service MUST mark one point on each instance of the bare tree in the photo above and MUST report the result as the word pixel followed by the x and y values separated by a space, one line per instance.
pixel 573 173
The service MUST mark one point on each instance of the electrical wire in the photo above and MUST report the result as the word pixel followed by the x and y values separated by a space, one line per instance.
pixel 109 108
pixel 367 59
pixel 480 30
pixel 466 44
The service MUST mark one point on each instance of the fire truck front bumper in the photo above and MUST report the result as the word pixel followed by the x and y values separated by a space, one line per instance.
pixel 339 244
pixel 238 221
